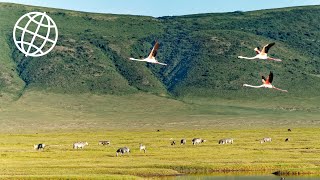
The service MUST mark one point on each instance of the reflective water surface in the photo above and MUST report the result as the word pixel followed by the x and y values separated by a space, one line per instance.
pixel 243 177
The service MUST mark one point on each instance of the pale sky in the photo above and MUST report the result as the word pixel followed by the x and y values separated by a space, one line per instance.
pixel 165 7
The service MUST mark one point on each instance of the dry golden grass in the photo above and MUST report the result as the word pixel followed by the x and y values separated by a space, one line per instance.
pixel 299 155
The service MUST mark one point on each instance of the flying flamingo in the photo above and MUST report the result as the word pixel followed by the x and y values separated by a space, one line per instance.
pixel 266 83
pixel 262 54
pixel 152 56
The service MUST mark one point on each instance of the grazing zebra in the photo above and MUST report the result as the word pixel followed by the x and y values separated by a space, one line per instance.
pixel 80 145
pixel 183 141
pixel 282 178
pixel 197 141
pixel 104 143
pixel 173 143
pixel 122 151
pixel 265 140
pixel 143 147
pixel 287 140
pixel 39 146
pixel 226 141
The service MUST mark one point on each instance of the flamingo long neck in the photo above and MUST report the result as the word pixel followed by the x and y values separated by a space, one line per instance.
pixel 247 85
pixel 137 59
pixel 242 57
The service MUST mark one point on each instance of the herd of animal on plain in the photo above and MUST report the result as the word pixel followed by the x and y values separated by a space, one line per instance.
pixel 126 150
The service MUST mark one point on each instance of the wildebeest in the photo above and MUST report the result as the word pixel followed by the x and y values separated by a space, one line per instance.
pixel 287 140
pixel 143 147
pixel 122 151
pixel 39 146
pixel 183 141
pixel 104 143
pixel 267 139
pixel 198 141
pixel 289 130
pixel 80 145
pixel 226 141
pixel 173 143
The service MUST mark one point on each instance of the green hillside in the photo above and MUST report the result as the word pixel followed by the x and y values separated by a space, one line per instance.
pixel 93 49
pixel 86 90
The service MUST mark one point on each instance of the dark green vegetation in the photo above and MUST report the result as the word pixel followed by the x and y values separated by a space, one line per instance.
pixel 93 50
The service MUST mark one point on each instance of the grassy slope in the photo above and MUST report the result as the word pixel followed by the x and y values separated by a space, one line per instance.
pixel 87 57
pixel 201 50
pixel 90 61
pixel 38 111
pixel 218 38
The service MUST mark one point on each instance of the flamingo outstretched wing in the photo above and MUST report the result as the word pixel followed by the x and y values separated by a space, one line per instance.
pixel 154 51
pixel 270 78
pixel 267 47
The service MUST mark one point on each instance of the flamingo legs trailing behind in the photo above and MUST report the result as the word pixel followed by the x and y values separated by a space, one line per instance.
pixel 152 56
pixel 263 54
pixel 266 83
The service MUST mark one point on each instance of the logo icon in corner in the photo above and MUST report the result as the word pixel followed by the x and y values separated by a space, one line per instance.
pixel 35 34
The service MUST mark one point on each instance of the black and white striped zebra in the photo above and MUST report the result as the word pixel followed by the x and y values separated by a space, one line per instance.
pixel 196 141
pixel 173 143
pixel 183 141
pixel 39 146
pixel 226 141
pixel 143 147
pixel 104 143
pixel 122 151
pixel 266 139
pixel 80 145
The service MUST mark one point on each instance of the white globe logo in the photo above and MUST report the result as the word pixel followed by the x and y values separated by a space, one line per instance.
pixel 35 34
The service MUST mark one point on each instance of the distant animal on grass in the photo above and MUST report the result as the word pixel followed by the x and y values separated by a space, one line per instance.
pixel 122 151
pixel 289 130
pixel 196 141
pixel 183 141
pixel 39 146
pixel 143 147
pixel 80 145
pixel 287 140
pixel 226 141
pixel 267 139
pixel 173 143
pixel 158 130
pixel 104 143
pixel 282 178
